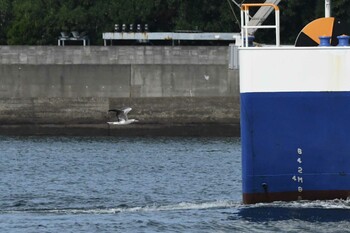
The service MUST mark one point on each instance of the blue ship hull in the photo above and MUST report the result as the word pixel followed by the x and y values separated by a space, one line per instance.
pixel 295 145
pixel 295 113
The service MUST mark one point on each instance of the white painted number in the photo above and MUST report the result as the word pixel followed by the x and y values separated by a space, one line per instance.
pixel 299 160
pixel 300 170
pixel 299 179
pixel 300 151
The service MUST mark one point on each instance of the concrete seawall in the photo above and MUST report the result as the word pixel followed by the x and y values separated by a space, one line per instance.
pixel 176 90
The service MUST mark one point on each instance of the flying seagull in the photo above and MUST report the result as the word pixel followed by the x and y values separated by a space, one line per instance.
pixel 122 117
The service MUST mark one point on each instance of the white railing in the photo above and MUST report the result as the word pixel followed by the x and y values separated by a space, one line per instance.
pixel 245 22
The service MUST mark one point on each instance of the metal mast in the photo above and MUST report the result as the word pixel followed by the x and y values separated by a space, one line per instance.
pixel 327 8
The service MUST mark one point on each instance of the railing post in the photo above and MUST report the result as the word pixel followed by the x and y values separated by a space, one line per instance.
pixel 246 13
pixel 245 21
pixel 277 13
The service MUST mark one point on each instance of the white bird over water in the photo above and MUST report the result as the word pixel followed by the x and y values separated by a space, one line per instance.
pixel 122 117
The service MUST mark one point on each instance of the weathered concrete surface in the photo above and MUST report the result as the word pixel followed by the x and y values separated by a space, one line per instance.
pixel 68 90
pixel 170 116
pixel 30 81
pixel 111 55
pixel 53 110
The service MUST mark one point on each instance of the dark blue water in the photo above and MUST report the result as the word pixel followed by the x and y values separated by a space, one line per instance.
pixel 81 184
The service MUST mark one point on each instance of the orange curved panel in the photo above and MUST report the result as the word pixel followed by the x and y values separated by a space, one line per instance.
pixel 319 27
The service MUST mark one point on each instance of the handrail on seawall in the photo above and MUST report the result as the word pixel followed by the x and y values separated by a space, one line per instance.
pixel 245 21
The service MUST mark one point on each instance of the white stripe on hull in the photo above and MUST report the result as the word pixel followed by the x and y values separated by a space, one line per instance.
pixel 294 69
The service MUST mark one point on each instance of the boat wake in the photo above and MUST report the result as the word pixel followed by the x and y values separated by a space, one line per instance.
pixel 327 204
pixel 310 211
pixel 260 210
pixel 127 209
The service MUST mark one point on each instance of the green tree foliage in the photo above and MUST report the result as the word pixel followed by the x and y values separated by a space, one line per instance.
pixel 341 10
pixel 33 23
pixel 204 15
pixel 39 22
pixel 5 19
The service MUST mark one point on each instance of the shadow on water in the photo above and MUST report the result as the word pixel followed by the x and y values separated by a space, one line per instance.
pixel 264 214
